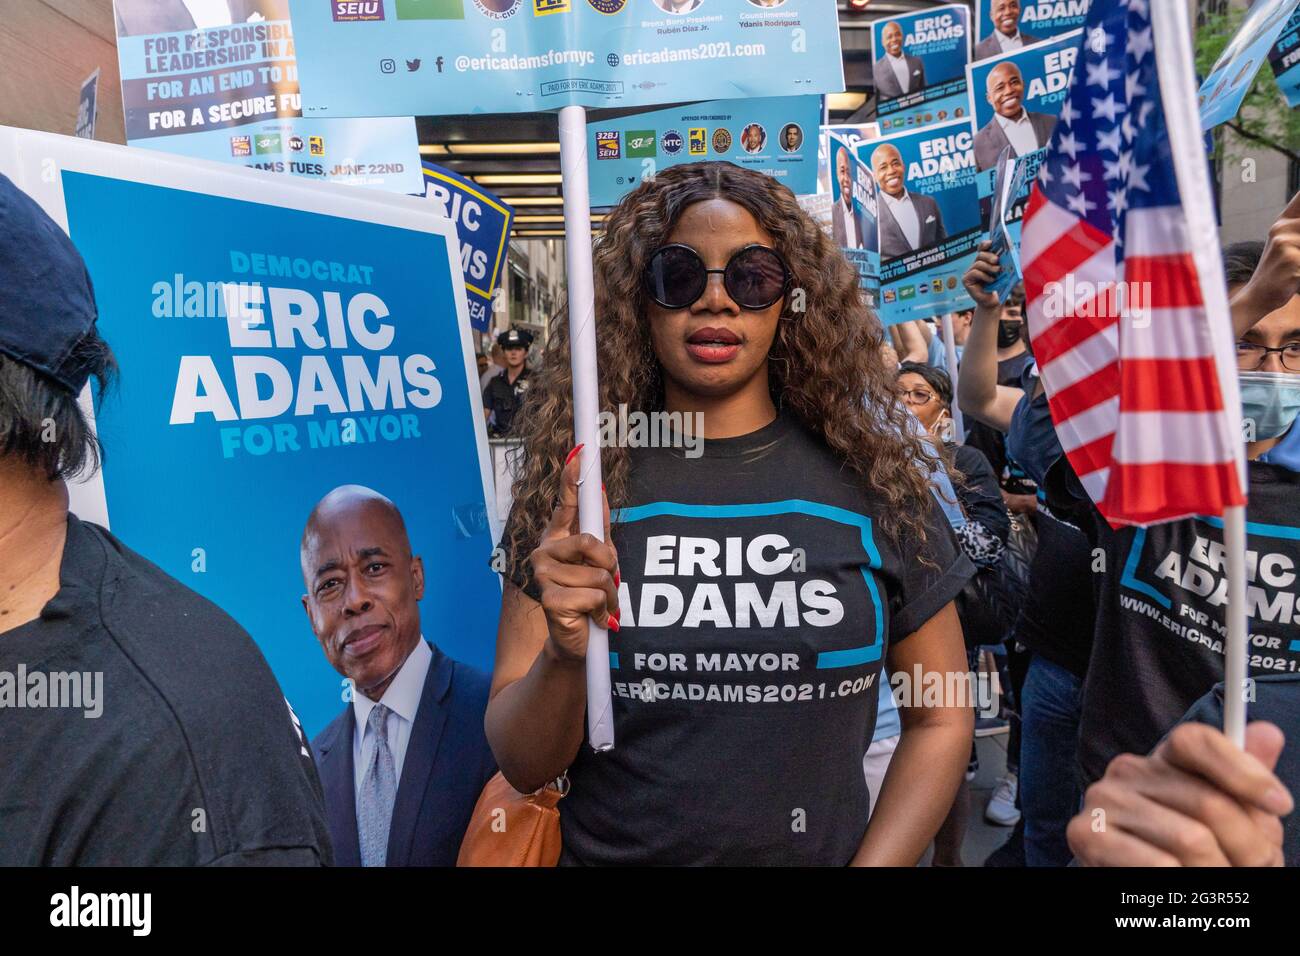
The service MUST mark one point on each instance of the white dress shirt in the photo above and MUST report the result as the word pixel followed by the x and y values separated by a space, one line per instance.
pixel 904 212
pixel 899 65
pixel 402 698
pixel 1009 43
pixel 851 238
pixel 1020 132
pixel 209 13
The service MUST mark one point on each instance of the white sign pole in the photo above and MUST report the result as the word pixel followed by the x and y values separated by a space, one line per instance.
pixel 586 396
pixel 950 350
pixel 1236 651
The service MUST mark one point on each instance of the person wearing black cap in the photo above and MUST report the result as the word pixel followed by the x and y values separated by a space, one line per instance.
pixel 505 392
pixel 139 724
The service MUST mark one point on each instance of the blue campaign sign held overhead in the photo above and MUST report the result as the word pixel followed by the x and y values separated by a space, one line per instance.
pixel 304 337
pixel 775 135
pixel 1223 91
pixel 918 67
pixel 432 57
pixel 226 89
pixel 929 219
pixel 483 227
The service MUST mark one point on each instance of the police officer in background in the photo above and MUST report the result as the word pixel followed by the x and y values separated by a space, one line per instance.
pixel 505 392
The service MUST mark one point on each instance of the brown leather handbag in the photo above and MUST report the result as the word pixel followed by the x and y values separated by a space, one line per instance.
pixel 509 828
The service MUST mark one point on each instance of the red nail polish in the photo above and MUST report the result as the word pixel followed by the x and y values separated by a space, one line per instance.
pixel 615 579
pixel 576 449
pixel 612 625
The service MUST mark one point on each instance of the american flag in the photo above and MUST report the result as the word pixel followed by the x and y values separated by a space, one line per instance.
pixel 1126 303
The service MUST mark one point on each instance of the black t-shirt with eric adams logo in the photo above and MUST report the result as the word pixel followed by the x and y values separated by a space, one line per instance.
pixel 758 598
pixel 1160 626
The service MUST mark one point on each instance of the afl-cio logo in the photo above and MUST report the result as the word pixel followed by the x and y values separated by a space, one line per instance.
pixel 612 59
pixel 671 142
pixel 608 7
pixel 721 140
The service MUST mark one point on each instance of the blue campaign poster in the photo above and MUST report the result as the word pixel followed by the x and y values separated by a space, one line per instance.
pixel 851 133
pixel 283 349
pixel 1004 25
pixel 1284 59
pixel 1015 99
pixel 929 219
pixel 853 214
pixel 776 135
pixel 433 57
pixel 225 87
pixel 919 67
pixel 1229 81
pixel 483 227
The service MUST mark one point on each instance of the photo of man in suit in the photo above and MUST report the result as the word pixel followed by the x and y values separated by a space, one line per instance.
pixel 846 229
pixel 1012 125
pixel 1006 34
pixel 908 221
pixel 896 74
pixel 404 763
pixel 139 17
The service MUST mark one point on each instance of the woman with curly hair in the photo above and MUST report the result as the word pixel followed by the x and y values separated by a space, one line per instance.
pixel 753 587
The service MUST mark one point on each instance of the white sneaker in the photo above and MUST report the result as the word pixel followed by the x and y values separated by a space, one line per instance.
pixel 1002 805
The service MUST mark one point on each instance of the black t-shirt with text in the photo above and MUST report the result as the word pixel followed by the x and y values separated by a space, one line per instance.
pixel 758 597
pixel 1160 626
pixel 171 743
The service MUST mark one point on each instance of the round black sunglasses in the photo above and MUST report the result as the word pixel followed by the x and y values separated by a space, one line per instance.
pixel 755 277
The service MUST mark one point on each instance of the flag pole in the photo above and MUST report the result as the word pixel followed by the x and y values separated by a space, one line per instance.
pixel 586 395
pixel 1236 650
pixel 950 351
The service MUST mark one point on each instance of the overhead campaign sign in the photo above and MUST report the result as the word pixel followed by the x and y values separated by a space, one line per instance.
pixel 432 57
pixel 775 135
pixel 918 66
pixel 285 346
pixel 851 134
pixel 1002 22
pixel 483 228
pixel 226 89
pixel 1010 177
pixel 854 215
pixel 1284 59
pixel 929 219
pixel 1014 102
pixel 1230 80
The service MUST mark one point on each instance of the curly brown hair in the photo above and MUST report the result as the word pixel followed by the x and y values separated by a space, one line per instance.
pixel 825 367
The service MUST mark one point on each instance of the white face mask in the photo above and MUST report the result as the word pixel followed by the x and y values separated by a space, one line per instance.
pixel 1269 402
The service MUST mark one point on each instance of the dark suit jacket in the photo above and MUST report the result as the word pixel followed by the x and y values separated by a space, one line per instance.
pixel 992 138
pixel 892 241
pixel 138 17
pixel 989 45
pixel 447 764
pixel 839 231
pixel 887 87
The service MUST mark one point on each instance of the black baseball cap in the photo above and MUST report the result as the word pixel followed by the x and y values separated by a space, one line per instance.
pixel 47 304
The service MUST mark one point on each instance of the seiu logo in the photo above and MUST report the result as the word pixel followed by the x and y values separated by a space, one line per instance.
pixel 353 10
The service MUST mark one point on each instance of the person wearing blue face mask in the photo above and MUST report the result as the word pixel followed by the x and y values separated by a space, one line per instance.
pixel 1195 799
